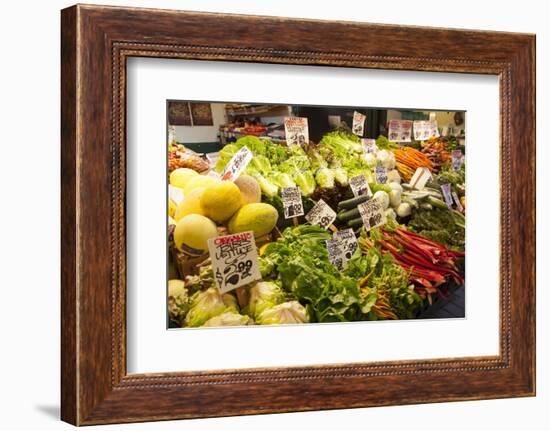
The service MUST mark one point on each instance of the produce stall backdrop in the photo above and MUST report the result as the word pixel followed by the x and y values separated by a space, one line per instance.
pixel 293 214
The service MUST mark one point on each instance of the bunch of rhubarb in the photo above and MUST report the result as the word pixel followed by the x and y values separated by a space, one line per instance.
pixel 430 264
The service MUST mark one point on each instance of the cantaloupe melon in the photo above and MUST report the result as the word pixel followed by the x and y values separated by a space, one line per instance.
pixel 250 189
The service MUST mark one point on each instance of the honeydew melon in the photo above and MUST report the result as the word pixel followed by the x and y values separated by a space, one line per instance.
pixel 198 182
pixel 190 204
pixel 192 234
pixel 179 177
pixel 260 218
pixel 221 200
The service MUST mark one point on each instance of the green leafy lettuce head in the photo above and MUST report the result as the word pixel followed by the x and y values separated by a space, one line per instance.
pixel 178 300
pixel 208 304
pixel 306 182
pixel 228 318
pixel 283 314
pixel 263 295
pixel 325 178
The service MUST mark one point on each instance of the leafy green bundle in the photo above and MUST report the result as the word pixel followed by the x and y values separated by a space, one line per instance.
pixel 299 262
pixel 380 274
pixel 441 225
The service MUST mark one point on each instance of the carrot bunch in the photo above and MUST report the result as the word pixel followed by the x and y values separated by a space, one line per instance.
pixel 408 160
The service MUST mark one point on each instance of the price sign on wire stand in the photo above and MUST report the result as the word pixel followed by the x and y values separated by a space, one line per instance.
pixel 457 202
pixel 358 125
pixel 321 214
pixel 296 130
pixel 456 160
pixel 234 260
pixel 381 175
pixel 348 240
pixel 292 202
pixel 372 213
pixel 446 189
pixel 336 254
pixel 237 164
pixel 360 186
pixel 369 145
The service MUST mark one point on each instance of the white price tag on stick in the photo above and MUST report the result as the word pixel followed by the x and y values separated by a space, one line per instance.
pixel 360 186
pixel 321 214
pixel 237 164
pixel 234 260
pixel 296 130
pixel 369 145
pixel 372 213
pixel 292 202
pixel 358 126
pixel 348 240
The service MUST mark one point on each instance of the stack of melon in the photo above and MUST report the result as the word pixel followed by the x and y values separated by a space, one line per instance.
pixel 209 203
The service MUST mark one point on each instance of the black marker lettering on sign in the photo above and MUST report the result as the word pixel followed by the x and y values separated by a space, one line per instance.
pixel 234 260
pixel 321 214
pixel 292 202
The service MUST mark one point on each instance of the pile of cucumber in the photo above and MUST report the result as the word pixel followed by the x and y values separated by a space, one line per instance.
pixel 348 212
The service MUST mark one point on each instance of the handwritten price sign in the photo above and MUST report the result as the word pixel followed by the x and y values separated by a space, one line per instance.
pixel 358 126
pixel 292 202
pixel 321 214
pixel 296 130
pixel 234 260
pixel 372 213
pixel 348 242
pixel 400 130
pixel 237 164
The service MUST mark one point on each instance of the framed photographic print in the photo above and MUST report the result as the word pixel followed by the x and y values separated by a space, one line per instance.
pixel 327 223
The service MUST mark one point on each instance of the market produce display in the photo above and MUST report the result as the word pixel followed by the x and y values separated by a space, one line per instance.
pixel 393 246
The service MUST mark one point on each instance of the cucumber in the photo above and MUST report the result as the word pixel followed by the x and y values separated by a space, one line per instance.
pixel 355 223
pixel 438 203
pixel 352 203
pixel 348 215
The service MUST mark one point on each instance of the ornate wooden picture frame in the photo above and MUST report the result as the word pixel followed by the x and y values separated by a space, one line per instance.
pixel 96 41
